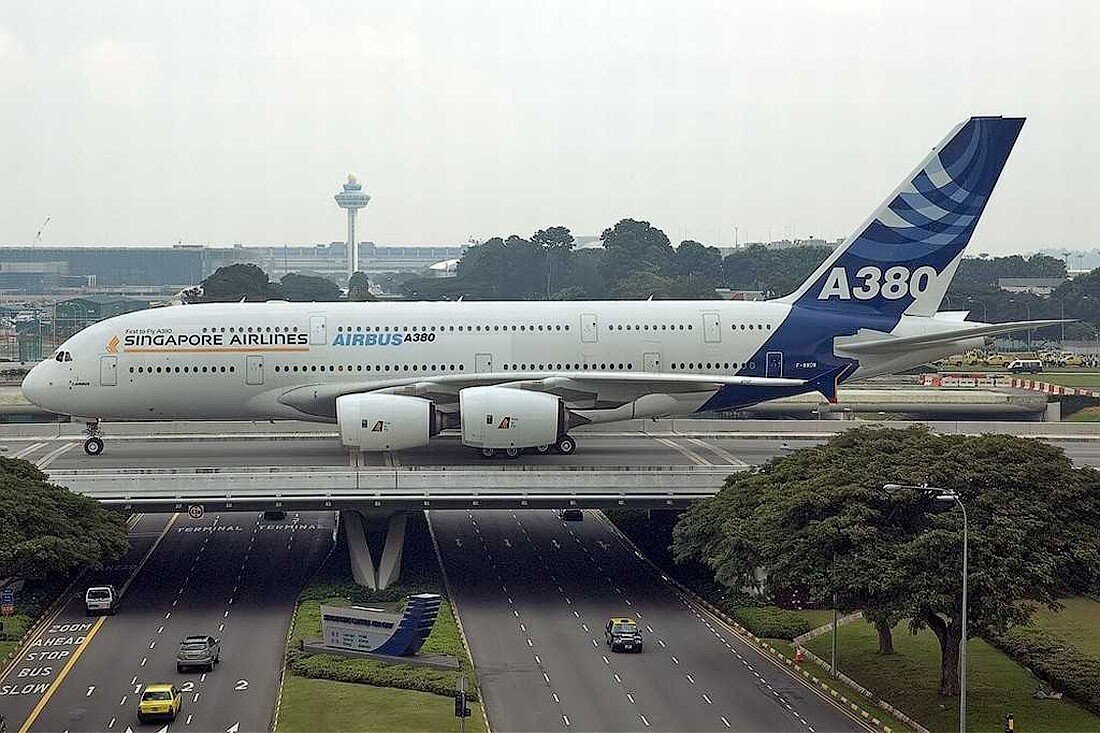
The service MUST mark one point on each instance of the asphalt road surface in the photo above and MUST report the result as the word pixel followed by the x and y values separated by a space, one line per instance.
pixel 229 575
pixel 533 594
pixel 594 449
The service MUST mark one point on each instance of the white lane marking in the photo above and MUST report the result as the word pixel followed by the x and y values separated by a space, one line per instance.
pixel 650 629
pixel 28 450
pixel 134 680
pixel 618 679
pixel 160 630
pixel 595 644
pixel 537 659
pixel 585 627
pixel 112 723
pixel 188 721
pixel 123 700
pixel 196 699
pixel 690 678
pixel 556 698
pixel 718 451
pixel 631 698
pixel 605 661
pixel 143 661
pixel 727 723
pixel 529 642
pixel 565 719
pixel 688 452
pixel 645 720
pixel 91 689
pixel 53 455
pixel 546 677
pixel 662 642
pixel 675 660
pixel 168 615
pixel 203 678
pixel 152 644
pixel 707 700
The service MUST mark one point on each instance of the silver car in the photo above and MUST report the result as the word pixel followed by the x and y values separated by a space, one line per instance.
pixel 202 652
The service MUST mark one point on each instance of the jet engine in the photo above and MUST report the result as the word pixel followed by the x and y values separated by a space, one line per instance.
pixel 382 422
pixel 502 417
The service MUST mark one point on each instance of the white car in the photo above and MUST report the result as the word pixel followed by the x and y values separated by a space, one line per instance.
pixel 101 599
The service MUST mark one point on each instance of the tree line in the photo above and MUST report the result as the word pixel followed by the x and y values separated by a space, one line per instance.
pixel 820 524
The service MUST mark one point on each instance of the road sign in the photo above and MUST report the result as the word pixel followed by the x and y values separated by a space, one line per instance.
pixel 7 601
pixel 195 511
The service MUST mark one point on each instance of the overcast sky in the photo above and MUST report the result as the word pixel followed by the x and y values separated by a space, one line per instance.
pixel 133 122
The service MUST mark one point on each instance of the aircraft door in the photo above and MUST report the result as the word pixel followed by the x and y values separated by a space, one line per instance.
pixel 651 362
pixel 483 363
pixel 774 364
pixel 108 371
pixel 590 332
pixel 318 336
pixel 712 330
pixel 253 370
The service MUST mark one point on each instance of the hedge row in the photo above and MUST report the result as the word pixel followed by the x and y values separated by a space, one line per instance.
pixel 371 672
pixel 770 622
pixel 1063 665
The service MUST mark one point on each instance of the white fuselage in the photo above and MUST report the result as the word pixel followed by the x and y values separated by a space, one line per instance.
pixel 235 361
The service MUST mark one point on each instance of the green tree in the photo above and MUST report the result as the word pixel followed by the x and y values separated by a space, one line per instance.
pixel 232 283
pixel 632 247
pixel 46 530
pixel 359 288
pixel 308 288
pixel 819 520
pixel 694 259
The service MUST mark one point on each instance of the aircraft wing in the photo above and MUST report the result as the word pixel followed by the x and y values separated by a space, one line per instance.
pixel 574 387
pixel 907 343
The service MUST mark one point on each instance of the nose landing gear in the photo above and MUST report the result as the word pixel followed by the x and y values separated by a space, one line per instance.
pixel 93 446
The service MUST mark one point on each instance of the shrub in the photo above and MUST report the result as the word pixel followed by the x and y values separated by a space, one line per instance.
pixel 770 622
pixel 1063 665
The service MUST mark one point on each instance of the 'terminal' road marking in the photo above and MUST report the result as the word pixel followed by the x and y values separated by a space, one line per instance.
pixel 61 677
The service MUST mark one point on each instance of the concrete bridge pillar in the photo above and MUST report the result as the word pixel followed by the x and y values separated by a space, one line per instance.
pixel 372 534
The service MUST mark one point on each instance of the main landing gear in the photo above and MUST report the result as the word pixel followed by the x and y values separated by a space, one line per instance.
pixel 565 445
pixel 93 446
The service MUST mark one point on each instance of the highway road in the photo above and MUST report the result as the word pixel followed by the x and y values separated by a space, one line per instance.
pixel 533 593
pixel 229 575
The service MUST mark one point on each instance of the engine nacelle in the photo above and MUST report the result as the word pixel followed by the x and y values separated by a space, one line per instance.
pixel 501 417
pixel 381 422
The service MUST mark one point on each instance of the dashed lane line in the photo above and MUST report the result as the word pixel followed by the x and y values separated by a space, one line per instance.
pixel 28 450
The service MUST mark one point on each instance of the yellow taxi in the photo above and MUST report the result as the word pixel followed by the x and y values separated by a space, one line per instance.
pixel 159 701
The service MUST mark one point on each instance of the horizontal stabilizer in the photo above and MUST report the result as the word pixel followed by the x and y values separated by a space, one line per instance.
pixel 907 343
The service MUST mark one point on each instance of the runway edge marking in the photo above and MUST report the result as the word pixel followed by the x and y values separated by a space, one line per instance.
pixel 744 636
pixel 453 601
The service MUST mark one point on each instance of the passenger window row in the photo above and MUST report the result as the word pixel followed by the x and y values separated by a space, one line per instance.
pixel 442 329
pixel 250 329
pixel 182 370
pixel 647 327
pixel 369 368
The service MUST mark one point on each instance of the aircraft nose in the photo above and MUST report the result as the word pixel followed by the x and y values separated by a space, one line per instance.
pixel 36 385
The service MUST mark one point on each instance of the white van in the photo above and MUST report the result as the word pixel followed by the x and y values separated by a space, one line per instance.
pixel 1029 366
pixel 101 599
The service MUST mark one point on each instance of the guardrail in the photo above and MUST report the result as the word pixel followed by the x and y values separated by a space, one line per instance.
pixel 217 489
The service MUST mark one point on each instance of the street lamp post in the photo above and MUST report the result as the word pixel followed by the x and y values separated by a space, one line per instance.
pixel 951 495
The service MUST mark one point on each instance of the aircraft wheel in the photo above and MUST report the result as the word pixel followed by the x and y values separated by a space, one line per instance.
pixel 566 445
pixel 512 452
pixel 93 446
pixel 487 453
pixel 543 449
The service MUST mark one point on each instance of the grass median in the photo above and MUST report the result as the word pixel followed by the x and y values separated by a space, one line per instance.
pixel 323 692
pixel 996 686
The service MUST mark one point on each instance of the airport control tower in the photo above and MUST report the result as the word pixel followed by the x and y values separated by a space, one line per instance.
pixel 352 198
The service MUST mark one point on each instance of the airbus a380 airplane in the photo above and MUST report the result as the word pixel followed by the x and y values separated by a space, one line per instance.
pixel 516 375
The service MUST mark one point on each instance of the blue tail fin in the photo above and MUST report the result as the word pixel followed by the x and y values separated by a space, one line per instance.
pixel 903 258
